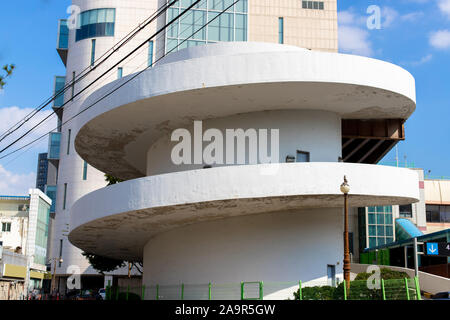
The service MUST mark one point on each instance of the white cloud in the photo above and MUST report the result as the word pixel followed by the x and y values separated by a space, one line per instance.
pixel 353 37
pixel 12 184
pixel 354 40
pixel 11 115
pixel 440 39
pixel 419 62
pixel 412 16
pixel 389 15
pixel 444 6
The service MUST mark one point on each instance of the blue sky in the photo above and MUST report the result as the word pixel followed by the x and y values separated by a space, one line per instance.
pixel 414 34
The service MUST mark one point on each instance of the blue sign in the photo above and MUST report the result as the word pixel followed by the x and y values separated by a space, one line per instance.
pixel 432 248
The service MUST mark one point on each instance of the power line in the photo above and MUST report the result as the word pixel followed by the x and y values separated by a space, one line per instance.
pixel 89 69
pixel 128 80
pixel 104 80
pixel 103 74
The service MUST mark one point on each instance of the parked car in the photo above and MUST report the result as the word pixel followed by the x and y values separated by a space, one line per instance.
pixel 102 294
pixel 441 296
pixel 72 294
pixel 86 295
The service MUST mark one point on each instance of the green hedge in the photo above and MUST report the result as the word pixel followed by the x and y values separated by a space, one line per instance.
pixel 385 273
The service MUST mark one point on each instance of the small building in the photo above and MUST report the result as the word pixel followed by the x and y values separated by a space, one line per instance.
pixel 437 200
pixel 41 171
pixel 24 224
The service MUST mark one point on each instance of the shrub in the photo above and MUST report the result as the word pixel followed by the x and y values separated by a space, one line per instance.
pixel 385 273
pixel 316 293
pixel 131 296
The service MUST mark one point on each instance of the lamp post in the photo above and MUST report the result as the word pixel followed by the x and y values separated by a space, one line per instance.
pixel 53 286
pixel 345 189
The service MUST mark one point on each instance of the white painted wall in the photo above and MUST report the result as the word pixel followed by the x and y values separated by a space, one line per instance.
pixel 316 132
pixel 274 247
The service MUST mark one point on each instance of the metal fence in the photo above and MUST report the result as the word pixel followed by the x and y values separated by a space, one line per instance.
pixel 393 289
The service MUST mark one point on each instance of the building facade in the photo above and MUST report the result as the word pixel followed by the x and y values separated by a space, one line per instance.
pixel 24 235
pixel 42 171
pixel 437 199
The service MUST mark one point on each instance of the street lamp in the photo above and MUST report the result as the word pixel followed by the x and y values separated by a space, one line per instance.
pixel 345 189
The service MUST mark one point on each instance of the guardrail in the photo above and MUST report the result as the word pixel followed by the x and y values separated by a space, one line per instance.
pixel 393 289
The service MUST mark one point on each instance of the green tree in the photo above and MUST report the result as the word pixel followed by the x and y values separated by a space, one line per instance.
pixel 111 179
pixel 103 264
pixel 8 69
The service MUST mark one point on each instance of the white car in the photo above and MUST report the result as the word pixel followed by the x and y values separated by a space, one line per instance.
pixel 102 293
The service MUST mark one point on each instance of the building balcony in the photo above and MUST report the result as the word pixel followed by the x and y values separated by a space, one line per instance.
pixel 50 191
pixel 118 220
pixel 373 98
pixel 58 87
pixel 62 43
pixel 54 143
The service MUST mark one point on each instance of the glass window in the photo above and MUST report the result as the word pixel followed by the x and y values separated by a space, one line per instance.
pixel 85 165
pixel 93 52
pixel 59 85
pixel 406 211
pixel 101 16
pixel 229 26
pixel 119 73
pixel 241 27
pixel 68 141
pixel 63 35
pixel 436 214
pixel 380 218
pixel 6 226
pixel 51 193
pixel 280 30
pixel 380 227
pixel 150 53
pixel 389 231
pixel 380 231
pixel 65 195
pixel 372 230
pixel 388 218
pixel 95 23
pixel 302 156
pixel 54 145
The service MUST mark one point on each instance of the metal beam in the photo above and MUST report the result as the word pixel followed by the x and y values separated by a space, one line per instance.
pixel 362 144
pixel 368 153
pixel 350 140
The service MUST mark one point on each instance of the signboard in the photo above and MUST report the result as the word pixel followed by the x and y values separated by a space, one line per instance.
pixel 438 249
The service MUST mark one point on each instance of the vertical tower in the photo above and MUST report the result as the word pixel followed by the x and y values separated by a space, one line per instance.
pixel 94 27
